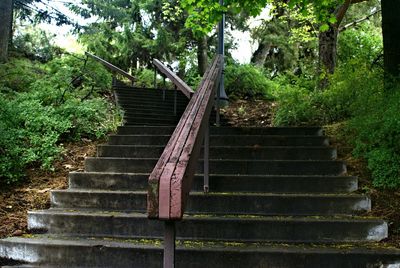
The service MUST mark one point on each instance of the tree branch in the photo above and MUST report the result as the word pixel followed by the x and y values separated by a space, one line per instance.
pixel 354 23
pixel 341 11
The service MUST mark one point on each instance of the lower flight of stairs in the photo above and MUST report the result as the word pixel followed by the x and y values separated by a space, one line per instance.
pixel 279 198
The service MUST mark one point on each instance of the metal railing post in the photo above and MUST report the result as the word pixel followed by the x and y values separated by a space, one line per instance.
pixel 164 88
pixel 114 81
pixel 206 157
pixel 155 77
pixel 175 99
pixel 217 107
pixel 169 244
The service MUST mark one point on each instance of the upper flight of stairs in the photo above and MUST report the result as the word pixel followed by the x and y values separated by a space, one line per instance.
pixel 279 198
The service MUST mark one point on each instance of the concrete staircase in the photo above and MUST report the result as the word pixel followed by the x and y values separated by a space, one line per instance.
pixel 279 199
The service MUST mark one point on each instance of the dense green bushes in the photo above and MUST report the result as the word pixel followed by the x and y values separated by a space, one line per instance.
pixel 371 114
pixel 376 131
pixel 37 115
pixel 355 96
pixel 247 81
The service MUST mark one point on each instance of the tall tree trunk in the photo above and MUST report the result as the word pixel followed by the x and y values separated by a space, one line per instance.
pixel 327 54
pixel 260 55
pixel 391 37
pixel 202 57
pixel 6 9
pixel 10 38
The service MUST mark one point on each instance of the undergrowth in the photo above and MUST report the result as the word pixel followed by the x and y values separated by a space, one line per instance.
pixel 44 105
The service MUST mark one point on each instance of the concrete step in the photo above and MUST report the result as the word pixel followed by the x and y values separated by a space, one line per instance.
pixel 281 131
pixel 147 92
pixel 97 252
pixel 220 183
pixel 232 166
pixel 228 228
pixel 225 152
pixel 149 120
pixel 139 103
pixel 151 99
pixel 157 109
pixel 218 203
pixel 226 140
pixel 152 115
pixel 153 105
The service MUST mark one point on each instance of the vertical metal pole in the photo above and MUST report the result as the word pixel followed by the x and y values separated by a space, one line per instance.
pixel 155 77
pixel 175 99
pixel 163 92
pixel 217 115
pixel 169 244
pixel 114 81
pixel 206 157
pixel 222 98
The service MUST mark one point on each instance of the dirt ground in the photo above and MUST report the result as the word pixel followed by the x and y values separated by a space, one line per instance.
pixel 34 192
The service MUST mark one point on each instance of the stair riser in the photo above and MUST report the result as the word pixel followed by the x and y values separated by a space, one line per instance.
pixel 138 104
pixel 216 229
pixel 220 204
pixel 255 141
pixel 152 115
pixel 280 184
pixel 290 131
pixel 266 167
pixel 155 106
pixel 149 130
pixel 193 257
pixel 271 153
pixel 154 109
pixel 151 100
pixel 158 92
pixel 149 120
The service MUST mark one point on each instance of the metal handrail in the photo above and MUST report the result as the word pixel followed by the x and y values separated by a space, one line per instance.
pixel 112 67
pixel 171 179
pixel 179 83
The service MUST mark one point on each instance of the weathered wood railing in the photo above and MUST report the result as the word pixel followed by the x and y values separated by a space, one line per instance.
pixel 178 82
pixel 171 179
pixel 112 67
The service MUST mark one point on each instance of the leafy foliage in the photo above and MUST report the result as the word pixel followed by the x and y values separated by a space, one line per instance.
pixel 35 121
pixel 129 32
pixel 357 96
pixel 204 14
pixel 247 81
pixel 377 139
pixel 35 44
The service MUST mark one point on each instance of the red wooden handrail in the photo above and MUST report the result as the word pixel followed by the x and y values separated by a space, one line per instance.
pixel 171 179
pixel 180 84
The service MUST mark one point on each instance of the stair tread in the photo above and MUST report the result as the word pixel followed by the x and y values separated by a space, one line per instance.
pixel 348 247
pixel 222 175
pixel 223 194
pixel 209 217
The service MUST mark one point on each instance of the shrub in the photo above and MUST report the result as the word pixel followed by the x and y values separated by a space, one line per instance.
pixel 145 78
pixel 18 74
pixel 35 44
pixel 34 123
pixel 247 81
pixel 357 96
pixel 377 139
